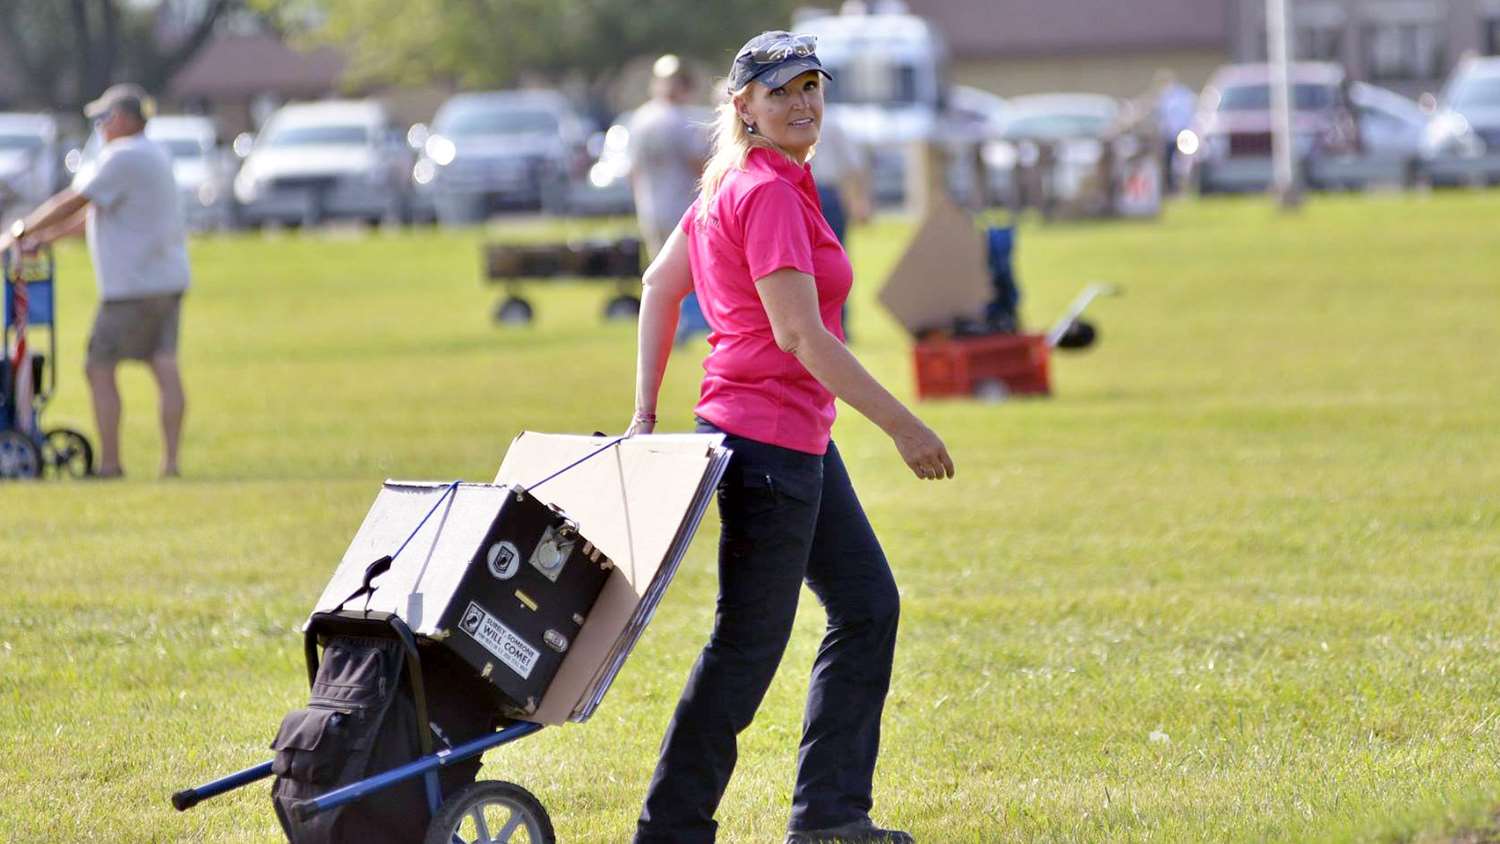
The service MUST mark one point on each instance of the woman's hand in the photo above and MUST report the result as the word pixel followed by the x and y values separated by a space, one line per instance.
pixel 641 423
pixel 924 451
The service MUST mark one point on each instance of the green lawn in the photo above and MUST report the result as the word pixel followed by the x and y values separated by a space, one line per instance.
pixel 1236 581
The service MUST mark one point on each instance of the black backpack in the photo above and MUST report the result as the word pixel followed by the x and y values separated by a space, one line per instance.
pixel 361 721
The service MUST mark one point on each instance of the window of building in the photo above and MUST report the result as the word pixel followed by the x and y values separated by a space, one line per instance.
pixel 1490 36
pixel 1318 31
pixel 1318 44
pixel 1395 50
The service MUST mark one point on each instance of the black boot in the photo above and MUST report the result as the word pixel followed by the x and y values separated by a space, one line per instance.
pixel 862 831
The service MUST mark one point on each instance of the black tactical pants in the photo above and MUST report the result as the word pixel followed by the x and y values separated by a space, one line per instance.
pixel 786 517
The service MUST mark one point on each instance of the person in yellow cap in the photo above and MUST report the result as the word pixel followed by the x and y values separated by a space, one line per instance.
pixel 129 206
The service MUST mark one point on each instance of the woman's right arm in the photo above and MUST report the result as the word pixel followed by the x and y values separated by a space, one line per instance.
pixel 664 285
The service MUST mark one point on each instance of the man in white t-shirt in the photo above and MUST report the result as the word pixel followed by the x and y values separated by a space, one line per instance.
pixel 841 171
pixel 130 208
pixel 669 143
pixel 667 148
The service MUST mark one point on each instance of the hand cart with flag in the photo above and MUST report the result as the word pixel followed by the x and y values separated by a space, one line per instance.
pixel 28 376
pixel 504 609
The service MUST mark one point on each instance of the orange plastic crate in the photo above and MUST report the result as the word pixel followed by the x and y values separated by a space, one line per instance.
pixel 996 365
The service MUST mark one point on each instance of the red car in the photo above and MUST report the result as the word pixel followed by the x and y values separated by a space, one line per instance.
pixel 1228 147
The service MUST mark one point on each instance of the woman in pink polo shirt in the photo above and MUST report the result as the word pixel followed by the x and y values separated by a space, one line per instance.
pixel 772 279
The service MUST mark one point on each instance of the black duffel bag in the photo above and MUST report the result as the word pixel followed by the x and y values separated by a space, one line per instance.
pixel 360 721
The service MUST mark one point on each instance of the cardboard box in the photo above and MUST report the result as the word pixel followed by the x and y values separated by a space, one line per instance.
pixel 639 500
pixel 640 503
pixel 944 273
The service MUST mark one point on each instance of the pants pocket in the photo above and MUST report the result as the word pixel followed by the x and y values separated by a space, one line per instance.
pixel 748 494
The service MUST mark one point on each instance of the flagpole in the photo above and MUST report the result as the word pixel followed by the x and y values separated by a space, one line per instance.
pixel 1278 50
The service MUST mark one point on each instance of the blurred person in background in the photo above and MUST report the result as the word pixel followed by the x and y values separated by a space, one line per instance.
pixel 772 279
pixel 841 173
pixel 129 207
pixel 1172 104
pixel 667 150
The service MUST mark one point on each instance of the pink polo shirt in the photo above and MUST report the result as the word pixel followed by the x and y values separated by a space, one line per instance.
pixel 764 218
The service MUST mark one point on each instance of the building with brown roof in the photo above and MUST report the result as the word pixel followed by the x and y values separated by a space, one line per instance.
pixel 1032 46
pixel 1407 45
pixel 240 78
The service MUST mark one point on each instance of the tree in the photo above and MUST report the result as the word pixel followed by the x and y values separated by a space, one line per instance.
pixel 493 43
pixel 65 52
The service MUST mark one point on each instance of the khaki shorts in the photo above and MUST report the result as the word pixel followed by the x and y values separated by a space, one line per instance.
pixel 135 329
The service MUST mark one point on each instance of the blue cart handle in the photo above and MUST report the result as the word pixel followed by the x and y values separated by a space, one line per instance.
pixel 190 797
pixel 304 809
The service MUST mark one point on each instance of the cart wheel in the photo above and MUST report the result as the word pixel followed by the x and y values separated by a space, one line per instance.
pixel 19 457
pixel 67 454
pixel 491 812
pixel 991 390
pixel 622 307
pixel 513 311
pixel 1079 335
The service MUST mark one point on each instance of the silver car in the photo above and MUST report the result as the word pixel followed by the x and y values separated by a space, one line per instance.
pixel 1462 143
pixel 31 161
pixel 1390 132
pixel 1074 127
pixel 502 149
pixel 1228 147
pixel 324 160
pixel 607 189
pixel 203 169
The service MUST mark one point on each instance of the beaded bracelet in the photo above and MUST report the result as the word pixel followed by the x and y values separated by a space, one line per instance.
pixel 642 416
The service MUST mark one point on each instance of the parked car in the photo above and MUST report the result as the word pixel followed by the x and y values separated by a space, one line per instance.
pixel 974 117
pixel 1462 143
pixel 979 113
pixel 1228 147
pixel 1076 127
pixel 890 84
pixel 607 189
pixel 31 161
pixel 1391 128
pixel 502 149
pixel 322 160
pixel 204 170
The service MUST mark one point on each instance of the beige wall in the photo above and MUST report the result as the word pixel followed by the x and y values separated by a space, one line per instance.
pixel 1118 74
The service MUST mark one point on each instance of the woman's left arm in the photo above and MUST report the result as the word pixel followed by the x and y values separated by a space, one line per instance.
pixel 664 285
pixel 790 298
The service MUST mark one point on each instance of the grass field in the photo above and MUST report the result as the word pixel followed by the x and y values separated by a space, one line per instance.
pixel 1236 581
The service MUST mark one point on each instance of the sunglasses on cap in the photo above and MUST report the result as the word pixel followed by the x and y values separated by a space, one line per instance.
pixel 781 48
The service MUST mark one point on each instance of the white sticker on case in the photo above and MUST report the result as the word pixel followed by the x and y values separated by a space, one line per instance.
pixel 504 560
pixel 499 640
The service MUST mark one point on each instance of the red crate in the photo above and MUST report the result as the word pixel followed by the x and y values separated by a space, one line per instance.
pixel 997 365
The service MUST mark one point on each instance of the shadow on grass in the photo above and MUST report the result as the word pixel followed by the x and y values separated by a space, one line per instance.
pixel 1488 833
